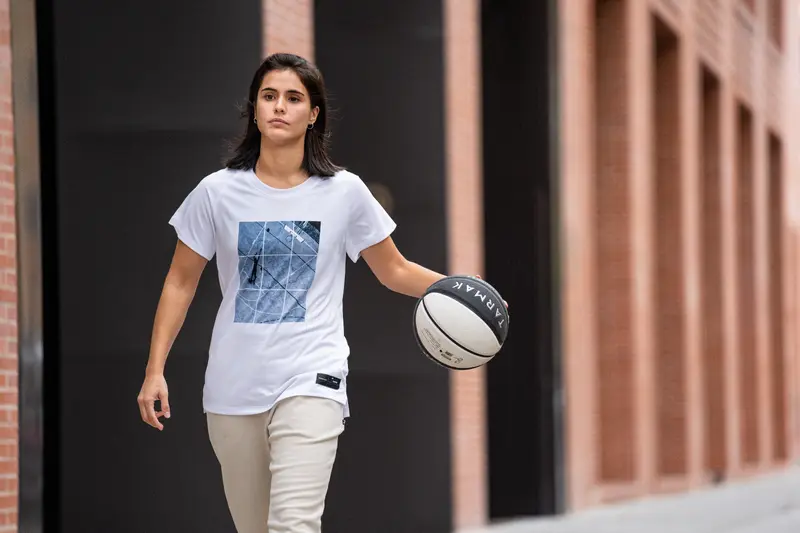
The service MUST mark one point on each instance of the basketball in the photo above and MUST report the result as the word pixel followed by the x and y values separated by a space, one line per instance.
pixel 460 322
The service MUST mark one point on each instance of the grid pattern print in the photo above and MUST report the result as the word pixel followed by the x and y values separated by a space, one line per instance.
pixel 277 265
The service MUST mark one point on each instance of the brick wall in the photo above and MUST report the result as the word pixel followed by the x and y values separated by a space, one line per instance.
pixel 680 352
pixel 612 243
pixel 8 290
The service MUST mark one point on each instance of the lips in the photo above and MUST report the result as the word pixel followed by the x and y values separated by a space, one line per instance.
pixel 278 121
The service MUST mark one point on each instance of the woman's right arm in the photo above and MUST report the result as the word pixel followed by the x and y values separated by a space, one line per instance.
pixel 176 296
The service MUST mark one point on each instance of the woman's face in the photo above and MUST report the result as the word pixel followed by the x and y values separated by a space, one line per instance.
pixel 283 109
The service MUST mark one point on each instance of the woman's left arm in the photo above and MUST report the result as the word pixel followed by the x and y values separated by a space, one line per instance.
pixel 397 273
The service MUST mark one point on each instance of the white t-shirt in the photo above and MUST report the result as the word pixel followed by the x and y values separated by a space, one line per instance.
pixel 281 257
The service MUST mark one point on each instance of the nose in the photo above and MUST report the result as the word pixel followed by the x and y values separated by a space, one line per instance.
pixel 280 105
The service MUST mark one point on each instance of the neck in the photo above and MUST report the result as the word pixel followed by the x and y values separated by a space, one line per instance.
pixel 281 163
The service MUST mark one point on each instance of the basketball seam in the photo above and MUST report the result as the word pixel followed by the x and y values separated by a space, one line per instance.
pixel 433 359
pixel 440 328
pixel 422 347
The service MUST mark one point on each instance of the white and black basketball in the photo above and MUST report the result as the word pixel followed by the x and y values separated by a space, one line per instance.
pixel 461 322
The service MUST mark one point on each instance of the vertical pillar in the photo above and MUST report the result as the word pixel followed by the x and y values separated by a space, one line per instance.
pixel 464 194
pixel 790 167
pixel 578 236
pixel 791 173
pixel 730 270
pixel 9 297
pixel 640 82
pixel 289 27
pixel 690 112
pixel 761 242
pixel 784 167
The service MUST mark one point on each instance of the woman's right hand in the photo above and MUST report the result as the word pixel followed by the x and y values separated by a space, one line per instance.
pixel 176 296
pixel 154 388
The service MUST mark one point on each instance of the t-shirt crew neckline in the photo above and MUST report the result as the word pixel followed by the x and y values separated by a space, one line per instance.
pixel 308 184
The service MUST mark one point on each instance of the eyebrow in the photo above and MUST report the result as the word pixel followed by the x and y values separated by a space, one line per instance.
pixel 291 91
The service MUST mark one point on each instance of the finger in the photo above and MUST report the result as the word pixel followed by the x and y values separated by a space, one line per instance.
pixel 147 407
pixel 142 411
pixel 165 404
pixel 151 415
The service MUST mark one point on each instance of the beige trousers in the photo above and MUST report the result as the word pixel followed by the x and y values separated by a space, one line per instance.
pixel 276 465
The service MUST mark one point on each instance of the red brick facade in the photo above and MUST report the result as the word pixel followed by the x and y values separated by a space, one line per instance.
pixel 8 289
pixel 680 243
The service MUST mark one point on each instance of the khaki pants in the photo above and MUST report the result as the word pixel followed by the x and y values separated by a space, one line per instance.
pixel 276 465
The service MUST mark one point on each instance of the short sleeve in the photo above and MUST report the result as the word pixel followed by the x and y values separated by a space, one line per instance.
pixel 194 221
pixel 369 222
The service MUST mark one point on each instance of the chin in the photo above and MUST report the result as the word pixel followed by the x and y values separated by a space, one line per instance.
pixel 278 137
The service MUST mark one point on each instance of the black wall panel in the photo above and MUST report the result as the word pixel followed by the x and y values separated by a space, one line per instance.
pixel 383 63
pixel 520 203
pixel 144 96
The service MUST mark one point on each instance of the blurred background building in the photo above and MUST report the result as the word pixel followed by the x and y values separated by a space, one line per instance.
pixel 625 172
pixel 680 245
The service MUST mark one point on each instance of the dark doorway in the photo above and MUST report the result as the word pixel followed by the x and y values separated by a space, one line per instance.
pixel 137 100
pixel 383 63
pixel 520 199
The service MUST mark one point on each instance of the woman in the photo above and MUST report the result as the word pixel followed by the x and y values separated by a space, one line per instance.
pixel 280 218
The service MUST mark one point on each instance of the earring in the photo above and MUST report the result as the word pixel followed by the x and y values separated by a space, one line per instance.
pixel 311 126
pixel 255 121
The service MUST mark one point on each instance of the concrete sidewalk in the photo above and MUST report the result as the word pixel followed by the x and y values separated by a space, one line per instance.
pixel 768 504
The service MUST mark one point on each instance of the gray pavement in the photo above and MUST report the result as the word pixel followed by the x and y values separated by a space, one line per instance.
pixel 766 504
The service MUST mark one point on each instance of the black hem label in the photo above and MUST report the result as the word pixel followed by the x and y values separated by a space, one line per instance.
pixel 328 381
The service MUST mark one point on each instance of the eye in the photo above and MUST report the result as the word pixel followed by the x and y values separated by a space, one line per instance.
pixel 269 96
pixel 294 98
